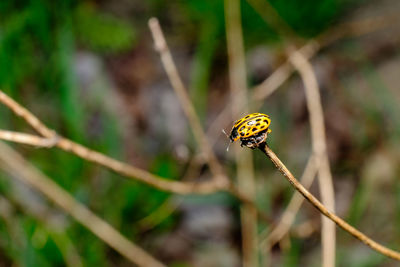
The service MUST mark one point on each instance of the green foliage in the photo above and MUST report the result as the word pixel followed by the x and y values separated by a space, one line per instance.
pixel 293 254
pixel 308 18
pixel 35 34
pixel 360 202
pixel 102 32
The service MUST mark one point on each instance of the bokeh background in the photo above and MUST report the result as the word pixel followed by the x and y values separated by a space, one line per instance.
pixel 89 70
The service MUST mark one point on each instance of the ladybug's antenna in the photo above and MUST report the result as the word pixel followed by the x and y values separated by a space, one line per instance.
pixel 225 133
pixel 227 148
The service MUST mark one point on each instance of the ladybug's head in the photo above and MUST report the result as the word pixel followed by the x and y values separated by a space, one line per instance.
pixel 234 135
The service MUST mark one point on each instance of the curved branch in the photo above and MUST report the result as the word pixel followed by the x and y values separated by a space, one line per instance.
pixel 319 206
pixel 319 148
pixel 161 46
pixel 289 215
pixel 52 139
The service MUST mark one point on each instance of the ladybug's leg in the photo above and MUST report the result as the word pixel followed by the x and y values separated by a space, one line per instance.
pixel 252 142
pixel 261 138
pixel 242 142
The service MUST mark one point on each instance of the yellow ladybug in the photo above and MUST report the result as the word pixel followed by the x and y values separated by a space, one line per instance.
pixel 252 130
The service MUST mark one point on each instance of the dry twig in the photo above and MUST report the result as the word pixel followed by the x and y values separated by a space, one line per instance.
pixel 26 115
pixel 320 153
pixel 266 88
pixel 94 156
pixel 318 205
pixel 288 216
pixel 161 46
pixel 28 139
pixel 245 171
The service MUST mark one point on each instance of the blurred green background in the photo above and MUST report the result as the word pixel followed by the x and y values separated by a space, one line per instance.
pixel 88 69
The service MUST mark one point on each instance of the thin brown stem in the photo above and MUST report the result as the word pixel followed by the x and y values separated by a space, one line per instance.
pixel 321 208
pixel 318 138
pixel 94 156
pixel 281 74
pixel 245 171
pixel 136 173
pixel 180 90
pixel 26 115
pixel 28 139
pixel 287 218
pixel 18 167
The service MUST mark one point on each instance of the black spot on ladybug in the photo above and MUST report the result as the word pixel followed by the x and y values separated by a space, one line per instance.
pixel 258 119
pixel 247 116
pixel 258 124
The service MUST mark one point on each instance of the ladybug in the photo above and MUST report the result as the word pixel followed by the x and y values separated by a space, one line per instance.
pixel 251 130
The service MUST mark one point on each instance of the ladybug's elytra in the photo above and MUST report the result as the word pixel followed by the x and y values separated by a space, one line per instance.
pixel 251 130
